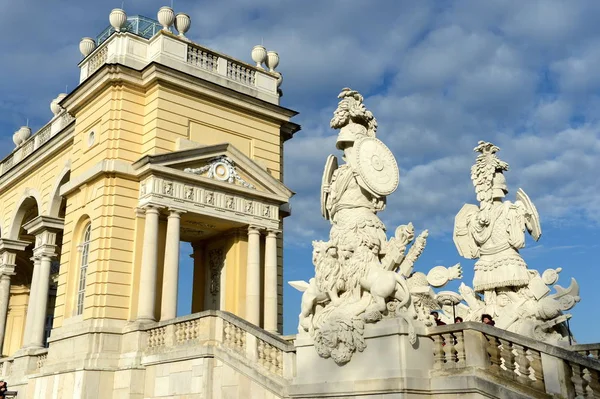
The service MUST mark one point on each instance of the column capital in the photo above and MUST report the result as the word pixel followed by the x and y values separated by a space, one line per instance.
pixel 273 232
pixel 253 229
pixel 7 244
pixel 7 270
pixel 176 212
pixel 151 210
pixel 44 223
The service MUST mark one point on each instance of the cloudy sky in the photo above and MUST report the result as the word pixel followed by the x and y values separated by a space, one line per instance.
pixel 438 75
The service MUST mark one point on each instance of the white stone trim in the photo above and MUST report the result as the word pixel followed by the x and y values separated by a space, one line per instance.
pixel 206 200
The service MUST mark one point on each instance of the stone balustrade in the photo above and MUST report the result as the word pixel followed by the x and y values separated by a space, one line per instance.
pixel 37 140
pixel 515 359
pixel 274 355
pixel 588 350
pixel 164 48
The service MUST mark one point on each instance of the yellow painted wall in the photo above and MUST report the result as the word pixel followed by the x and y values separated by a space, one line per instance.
pixel 15 319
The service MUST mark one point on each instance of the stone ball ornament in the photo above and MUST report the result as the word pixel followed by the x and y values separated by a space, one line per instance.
pixel 376 165
pixel 166 17
pixel 117 19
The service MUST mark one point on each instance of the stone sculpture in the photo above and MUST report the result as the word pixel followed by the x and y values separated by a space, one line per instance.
pixel 518 298
pixel 360 275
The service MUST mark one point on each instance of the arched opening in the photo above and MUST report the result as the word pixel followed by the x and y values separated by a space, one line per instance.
pixel 58 205
pixel 20 286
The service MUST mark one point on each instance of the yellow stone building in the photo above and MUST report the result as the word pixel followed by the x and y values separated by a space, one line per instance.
pixel 163 141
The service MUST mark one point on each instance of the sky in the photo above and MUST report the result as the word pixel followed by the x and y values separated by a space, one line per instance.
pixel 438 75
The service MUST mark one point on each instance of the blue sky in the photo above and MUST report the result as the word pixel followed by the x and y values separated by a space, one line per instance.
pixel 438 75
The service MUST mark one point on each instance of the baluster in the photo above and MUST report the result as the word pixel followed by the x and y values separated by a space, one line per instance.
pixel 438 352
pixel 460 349
pixel 280 362
pixel 594 382
pixel 261 352
pixel 538 371
pixel 449 351
pixel 506 353
pixel 274 365
pixel 226 333
pixel 523 362
pixel 579 382
pixel 493 351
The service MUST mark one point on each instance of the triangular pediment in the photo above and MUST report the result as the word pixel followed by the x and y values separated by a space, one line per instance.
pixel 219 163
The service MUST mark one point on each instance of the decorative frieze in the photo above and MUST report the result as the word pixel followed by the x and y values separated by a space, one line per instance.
pixel 157 188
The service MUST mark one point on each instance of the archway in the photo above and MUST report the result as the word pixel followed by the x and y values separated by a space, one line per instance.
pixel 20 286
pixel 58 203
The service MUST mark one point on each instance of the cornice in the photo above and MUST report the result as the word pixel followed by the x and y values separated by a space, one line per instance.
pixel 38 157
pixel 155 73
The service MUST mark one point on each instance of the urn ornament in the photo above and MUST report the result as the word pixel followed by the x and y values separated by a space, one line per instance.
pixel 54 106
pixel 117 19
pixel 259 55
pixel 182 23
pixel 86 46
pixel 166 17
pixel 272 60
pixel 24 133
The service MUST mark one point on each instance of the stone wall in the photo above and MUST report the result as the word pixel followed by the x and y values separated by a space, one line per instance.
pixel 215 354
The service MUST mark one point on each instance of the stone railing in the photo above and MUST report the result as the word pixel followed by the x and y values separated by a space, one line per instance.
pixel 587 350
pixel 515 359
pixel 164 48
pixel 237 71
pixel 230 333
pixel 271 352
pixel 51 129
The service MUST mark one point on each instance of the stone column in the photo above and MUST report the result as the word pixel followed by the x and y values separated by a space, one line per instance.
pixel 36 339
pixel 8 260
pixel 31 304
pixel 147 285
pixel 4 298
pixel 270 296
pixel 45 229
pixel 171 267
pixel 253 276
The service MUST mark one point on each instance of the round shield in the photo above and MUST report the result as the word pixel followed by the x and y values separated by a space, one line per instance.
pixel 376 165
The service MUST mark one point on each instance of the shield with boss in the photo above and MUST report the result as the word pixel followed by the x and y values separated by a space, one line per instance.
pixel 376 165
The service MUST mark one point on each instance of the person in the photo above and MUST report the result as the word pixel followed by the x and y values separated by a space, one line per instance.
pixel 487 319
pixel 436 318
pixel 458 319
pixel 3 388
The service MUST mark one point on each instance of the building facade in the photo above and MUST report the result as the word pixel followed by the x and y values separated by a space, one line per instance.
pixel 165 141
